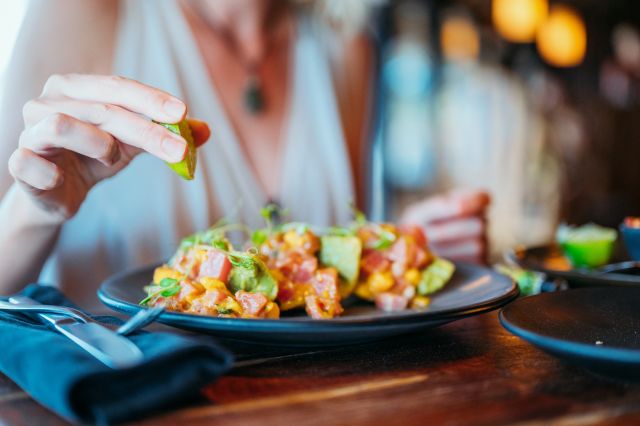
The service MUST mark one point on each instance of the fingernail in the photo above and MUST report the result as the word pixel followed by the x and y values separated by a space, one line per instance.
pixel 175 108
pixel 174 149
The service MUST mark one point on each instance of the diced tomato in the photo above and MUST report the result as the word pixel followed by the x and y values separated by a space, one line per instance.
pixel 398 269
pixel 632 222
pixel 390 302
pixel 206 304
pixel 416 232
pixel 368 235
pixel 321 308
pixel 403 251
pixel 189 290
pixel 374 261
pixel 286 290
pixel 215 265
pixel 422 259
pixel 325 284
pixel 404 289
pixel 252 303
pixel 298 267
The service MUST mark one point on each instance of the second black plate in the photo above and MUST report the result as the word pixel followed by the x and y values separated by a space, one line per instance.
pixel 550 261
pixel 597 328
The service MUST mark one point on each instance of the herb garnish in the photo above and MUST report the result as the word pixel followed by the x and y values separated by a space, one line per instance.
pixel 166 288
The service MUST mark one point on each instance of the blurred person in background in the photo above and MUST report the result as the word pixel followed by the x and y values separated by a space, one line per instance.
pixel 479 124
pixel 287 88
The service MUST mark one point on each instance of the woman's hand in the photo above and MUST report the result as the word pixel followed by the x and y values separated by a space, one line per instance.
pixel 454 223
pixel 85 128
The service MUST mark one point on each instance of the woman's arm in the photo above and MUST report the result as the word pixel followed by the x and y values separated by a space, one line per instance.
pixel 82 128
pixel 56 37
pixel 354 79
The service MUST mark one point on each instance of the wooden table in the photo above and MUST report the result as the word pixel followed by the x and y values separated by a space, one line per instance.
pixel 468 372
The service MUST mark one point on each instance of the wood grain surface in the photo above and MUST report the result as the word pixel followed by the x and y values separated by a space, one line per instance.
pixel 468 372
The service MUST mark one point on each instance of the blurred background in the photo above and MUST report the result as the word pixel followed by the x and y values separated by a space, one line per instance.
pixel 536 100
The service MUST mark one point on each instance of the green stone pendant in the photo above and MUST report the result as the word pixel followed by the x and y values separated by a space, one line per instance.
pixel 253 96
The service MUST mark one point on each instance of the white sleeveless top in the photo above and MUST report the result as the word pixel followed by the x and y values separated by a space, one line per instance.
pixel 139 216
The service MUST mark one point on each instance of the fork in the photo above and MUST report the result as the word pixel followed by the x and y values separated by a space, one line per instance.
pixel 140 320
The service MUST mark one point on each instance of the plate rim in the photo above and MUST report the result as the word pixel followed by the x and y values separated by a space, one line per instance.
pixel 556 345
pixel 304 323
pixel 620 280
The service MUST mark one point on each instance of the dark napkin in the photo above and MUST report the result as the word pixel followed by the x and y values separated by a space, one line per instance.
pixel 66 379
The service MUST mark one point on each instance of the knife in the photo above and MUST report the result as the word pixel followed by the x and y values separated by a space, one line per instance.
pixel 105 345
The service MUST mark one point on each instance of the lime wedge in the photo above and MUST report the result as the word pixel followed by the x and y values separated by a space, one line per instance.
pixel 187 167
pixel 587 246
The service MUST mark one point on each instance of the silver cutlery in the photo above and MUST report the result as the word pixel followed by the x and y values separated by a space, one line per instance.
pixel 108 347
pixel 44 309
pixel 140 320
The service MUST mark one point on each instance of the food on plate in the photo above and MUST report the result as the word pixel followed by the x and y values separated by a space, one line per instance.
pixel 632 222
pixel 206 276
pixel 397 269
pixel 630 230
pixel 187 167
pixel 293 266
pixel 587 246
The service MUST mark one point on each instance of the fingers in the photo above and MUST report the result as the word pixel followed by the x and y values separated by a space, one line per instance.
pixel 129 94
pixel 200 131
pixel 447 206
pixel 470 250
pixel 34 171
pixel 459 229
pixel 125 126
pixel 63 131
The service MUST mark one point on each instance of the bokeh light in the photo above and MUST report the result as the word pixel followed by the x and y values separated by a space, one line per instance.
pixel 459 39
pixel 562 38
pixel 518 20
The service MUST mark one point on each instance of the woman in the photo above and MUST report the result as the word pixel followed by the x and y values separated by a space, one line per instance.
pixel 287 99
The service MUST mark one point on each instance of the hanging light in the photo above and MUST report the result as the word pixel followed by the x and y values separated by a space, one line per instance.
pixel 459 39
pixel 562 38
pixel 518 20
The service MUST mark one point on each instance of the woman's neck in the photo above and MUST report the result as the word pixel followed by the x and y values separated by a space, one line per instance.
pixel 248 22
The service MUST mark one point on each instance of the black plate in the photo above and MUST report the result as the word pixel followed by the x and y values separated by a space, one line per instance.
pixel 472 290
pixel 569 323
pixel 550 261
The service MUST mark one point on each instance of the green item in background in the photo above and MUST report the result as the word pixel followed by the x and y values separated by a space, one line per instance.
pixel 529 282
pixel 588 246
pixel 187 167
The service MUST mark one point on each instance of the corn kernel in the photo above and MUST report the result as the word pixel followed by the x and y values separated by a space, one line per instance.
pixel 271 311
pixel 212 283
pixel 190 290
pixel 229 305
pixel 420 302
pixel 412 276
pixel 292 239
pixel 165 271
pixel 363 292
pixel 380 281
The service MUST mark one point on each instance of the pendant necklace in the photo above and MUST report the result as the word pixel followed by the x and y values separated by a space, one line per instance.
pixel 253 97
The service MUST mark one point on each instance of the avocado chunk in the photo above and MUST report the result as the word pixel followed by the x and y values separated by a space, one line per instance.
pixel 435 276
pixel 253 280
pixel 342 253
